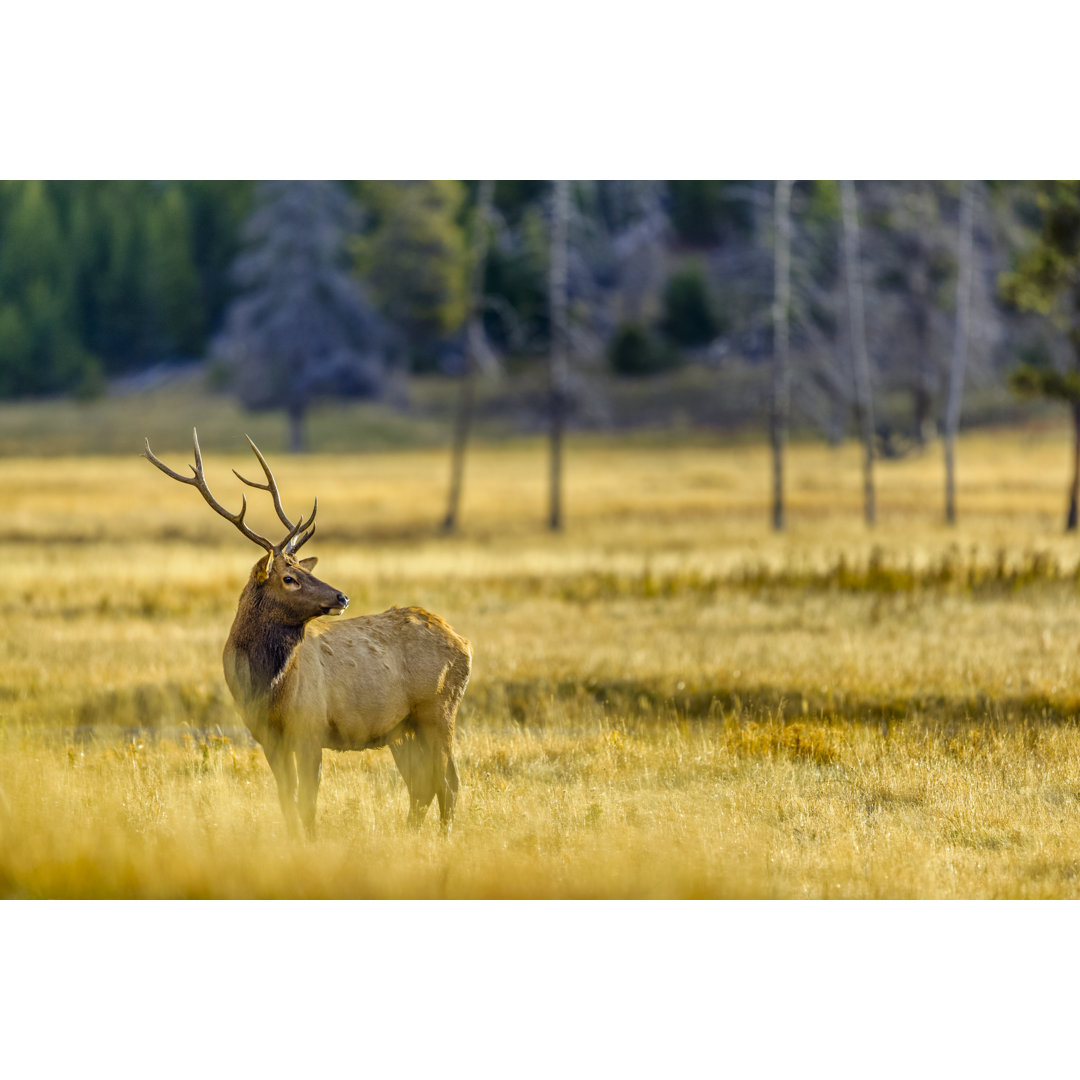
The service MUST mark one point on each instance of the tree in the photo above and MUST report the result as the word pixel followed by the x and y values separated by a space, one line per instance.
pixel 633 352
pixel 301 326
pixel 960 344
pixel 781 396
pixel 415 261
pixel 781 346
pixel 557 351
pixel 823 388
pixel 911 277
pixel 474 334
pixel 216 210
pixel 706 212
pixel 174 286
pixel 516 299
pixel 40 350
pixel 864 407
pixel 114 293
pixel 1047 280
pixel 688 316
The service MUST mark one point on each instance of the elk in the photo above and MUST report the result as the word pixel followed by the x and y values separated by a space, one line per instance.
pixel 394 679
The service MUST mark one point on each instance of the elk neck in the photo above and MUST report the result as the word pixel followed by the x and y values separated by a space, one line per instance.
pixel 263 636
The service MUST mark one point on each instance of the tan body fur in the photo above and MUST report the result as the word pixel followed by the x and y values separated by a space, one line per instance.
pixel 393 679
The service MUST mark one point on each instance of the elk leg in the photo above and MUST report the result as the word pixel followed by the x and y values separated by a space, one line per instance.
pixel 447 790
pixel 442 777
pixel 412 755
pixel 308 774
pixel 282 766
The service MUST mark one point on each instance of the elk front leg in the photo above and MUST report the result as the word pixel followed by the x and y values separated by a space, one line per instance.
pixel 280 757
pixel 308 773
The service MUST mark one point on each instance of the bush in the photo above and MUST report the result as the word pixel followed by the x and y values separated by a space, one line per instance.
pixel 707 212
pixel 633 351
pixel 689 318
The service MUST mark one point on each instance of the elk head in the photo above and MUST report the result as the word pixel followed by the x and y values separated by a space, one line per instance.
pixel 281 587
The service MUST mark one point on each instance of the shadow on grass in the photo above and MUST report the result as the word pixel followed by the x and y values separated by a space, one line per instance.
pixel 173 706
pixel 536 703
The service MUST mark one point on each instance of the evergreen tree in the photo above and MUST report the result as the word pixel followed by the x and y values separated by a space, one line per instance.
pixel 216 211
pixel 415 261
pixel 40 351
pixel 708 212
pixel 109 248
pixel 517 311
pixel 174 287
pixel 1047 280
pixel 689 318
pixel 301 326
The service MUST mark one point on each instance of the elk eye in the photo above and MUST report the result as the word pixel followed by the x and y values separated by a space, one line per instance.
pixel 289 579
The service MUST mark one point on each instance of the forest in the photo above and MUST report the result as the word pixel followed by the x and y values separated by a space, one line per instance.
pixel 288 293
pixel 697 672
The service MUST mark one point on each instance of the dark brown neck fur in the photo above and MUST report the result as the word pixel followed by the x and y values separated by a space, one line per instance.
pixel 261 635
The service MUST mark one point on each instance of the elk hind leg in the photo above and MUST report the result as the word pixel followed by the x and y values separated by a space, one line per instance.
pixel 412 755
pixel 447 790
pixel 437 729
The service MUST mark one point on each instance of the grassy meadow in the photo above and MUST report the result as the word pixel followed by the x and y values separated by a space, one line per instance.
pixel 668 700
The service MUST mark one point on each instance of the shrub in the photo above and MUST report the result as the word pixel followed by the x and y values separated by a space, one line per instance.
pixel 689 318
pixel 633 351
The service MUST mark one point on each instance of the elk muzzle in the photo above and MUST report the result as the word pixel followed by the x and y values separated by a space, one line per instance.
pixel 342 602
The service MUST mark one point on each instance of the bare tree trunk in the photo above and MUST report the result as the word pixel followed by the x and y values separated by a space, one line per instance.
pixel 297 438
pixel 473 336
pixel 557 286
pixel 1074 488
pixel 960 344
pixel 781 398
pixel 864 406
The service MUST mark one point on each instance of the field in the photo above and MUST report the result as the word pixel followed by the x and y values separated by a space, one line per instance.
pixel 668 700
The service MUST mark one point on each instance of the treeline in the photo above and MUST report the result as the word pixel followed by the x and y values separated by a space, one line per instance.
pixel 101 279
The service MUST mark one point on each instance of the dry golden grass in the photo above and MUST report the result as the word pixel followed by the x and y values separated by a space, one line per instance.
pixel 668 700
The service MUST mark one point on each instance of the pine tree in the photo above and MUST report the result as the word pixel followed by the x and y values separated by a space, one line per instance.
pixel 415 261
pixel 40 351
pixel 175 292
pixel 301 326
pixel 1047 280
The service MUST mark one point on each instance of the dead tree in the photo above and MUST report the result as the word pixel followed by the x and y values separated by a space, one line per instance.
pixel 557 353
pixel 864 407
pixel 781 396
pixel 474 333
pixel 960 344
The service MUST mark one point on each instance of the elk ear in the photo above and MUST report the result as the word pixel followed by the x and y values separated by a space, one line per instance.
pixel 308 564
pixel 264 568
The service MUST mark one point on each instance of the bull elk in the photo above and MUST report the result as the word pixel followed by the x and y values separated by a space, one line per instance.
pixel 395 679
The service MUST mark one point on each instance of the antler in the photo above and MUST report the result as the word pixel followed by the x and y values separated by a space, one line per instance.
pixel 287 546
pixel 290 543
